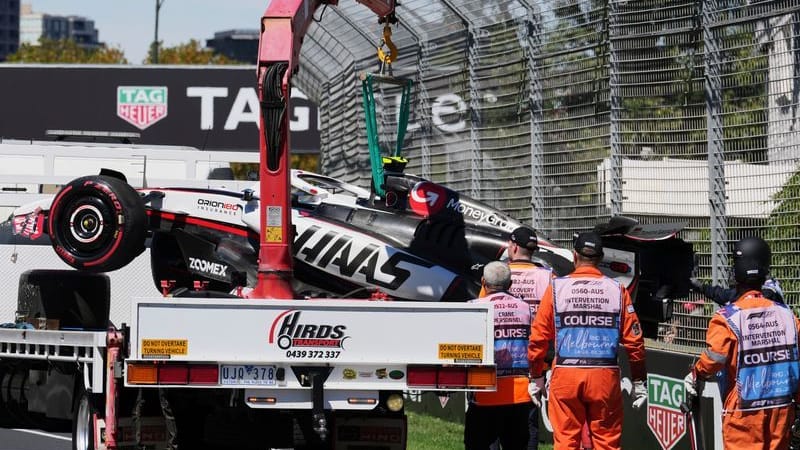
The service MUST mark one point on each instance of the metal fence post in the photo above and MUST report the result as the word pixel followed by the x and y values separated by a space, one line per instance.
pixel 615 160
pixel 716 160
pixel 474 114
pixel 533 42
pixel 423 64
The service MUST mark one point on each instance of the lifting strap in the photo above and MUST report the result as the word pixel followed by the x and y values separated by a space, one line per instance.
pixel 395 162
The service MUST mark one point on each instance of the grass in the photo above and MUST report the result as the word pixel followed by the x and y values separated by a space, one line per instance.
pixel 431 433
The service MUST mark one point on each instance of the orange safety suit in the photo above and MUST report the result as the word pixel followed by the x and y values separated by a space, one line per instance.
pixel 588 315
pixel 505 413
pixel 528 282
pixel 754 342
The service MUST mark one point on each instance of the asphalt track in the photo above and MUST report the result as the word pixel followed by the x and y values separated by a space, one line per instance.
pixel 28 439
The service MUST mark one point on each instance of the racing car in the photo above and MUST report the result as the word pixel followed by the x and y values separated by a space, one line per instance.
pixel 420 241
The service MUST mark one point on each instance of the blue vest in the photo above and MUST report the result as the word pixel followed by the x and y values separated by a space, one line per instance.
pixel 768 366
pixel 587 321
pixel 512 325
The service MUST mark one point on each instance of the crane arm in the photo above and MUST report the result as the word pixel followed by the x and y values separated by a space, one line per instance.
pixel 283 26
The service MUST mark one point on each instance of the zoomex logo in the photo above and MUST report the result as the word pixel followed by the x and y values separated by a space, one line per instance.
pixel 288 330
pixel 208 267
pixel 142 106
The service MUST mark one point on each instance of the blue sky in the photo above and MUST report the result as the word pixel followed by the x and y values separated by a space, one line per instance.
pixel 130 24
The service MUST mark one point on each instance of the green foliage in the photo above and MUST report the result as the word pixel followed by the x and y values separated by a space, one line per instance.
pixel 188 53
pixel 431 433
pixel 67 52
pixel 783 234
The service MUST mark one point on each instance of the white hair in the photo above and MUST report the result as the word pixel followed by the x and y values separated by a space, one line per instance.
pixel 497 275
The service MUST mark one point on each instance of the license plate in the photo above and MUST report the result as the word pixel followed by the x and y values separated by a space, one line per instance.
pixel 247 375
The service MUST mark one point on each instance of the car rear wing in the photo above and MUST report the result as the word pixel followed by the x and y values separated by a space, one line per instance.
pixel 652 262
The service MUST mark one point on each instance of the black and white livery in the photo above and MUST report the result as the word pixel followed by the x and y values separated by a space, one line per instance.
pixel 422 241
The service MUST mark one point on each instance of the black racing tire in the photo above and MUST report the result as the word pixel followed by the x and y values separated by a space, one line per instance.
pixel 97 223
pixel 6 418
pixel 14 392
pixel 76 299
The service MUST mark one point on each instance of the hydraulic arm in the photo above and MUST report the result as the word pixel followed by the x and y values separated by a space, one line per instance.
pixel 283 26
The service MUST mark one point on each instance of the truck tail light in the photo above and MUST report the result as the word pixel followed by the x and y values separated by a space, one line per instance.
pixel 452 377
pixel 422 376
pixel 484 376
pixel 173 374
pixel 142 374
pixel 204 374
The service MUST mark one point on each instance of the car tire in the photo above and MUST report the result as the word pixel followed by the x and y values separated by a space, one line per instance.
pixel 97 223
pixel 77 300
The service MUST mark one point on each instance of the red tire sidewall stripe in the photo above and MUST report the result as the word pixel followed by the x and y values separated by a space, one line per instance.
pixel 119 227
pixel 110 252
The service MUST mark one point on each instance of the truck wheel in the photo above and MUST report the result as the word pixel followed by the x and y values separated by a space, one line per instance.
pixel 97 223
pixel 6 420
pixel 83 423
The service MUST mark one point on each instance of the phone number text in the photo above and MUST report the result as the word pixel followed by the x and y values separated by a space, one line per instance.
pixel 315 354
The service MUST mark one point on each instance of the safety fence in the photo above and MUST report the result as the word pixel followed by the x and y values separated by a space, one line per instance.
pixel 564 113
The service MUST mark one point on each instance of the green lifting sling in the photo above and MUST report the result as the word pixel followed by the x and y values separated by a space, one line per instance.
pixel 395 162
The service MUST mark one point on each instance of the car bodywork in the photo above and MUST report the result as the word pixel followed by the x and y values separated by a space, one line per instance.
pixel 421 241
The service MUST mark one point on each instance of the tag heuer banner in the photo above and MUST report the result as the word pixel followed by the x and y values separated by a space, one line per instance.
pixel 212 108
pixel 664 416
pixel 142 106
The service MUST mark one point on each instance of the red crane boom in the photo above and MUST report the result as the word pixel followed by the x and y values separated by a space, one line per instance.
pixel 283 26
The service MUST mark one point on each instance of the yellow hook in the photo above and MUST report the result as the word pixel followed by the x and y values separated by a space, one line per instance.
pixel 387 40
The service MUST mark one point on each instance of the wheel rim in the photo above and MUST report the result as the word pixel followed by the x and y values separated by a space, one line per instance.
pixel 83 426
pixel 86 224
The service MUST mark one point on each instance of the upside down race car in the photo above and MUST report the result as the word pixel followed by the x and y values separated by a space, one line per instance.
pixel 421 241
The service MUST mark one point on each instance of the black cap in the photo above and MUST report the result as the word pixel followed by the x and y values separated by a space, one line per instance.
pixel 589 244
pixel 525 237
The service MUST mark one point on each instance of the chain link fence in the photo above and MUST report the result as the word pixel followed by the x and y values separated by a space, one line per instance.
pixel 564 113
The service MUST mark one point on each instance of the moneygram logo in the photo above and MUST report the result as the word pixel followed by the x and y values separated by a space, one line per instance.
pixel 142 106
pixel 664 416
pixel 426 199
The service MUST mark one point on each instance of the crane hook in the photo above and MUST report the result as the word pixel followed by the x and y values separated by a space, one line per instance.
pixel 387 40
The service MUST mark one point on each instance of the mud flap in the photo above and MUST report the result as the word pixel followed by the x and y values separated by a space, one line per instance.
pixel 153 429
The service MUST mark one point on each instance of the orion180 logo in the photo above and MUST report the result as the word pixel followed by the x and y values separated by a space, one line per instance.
pixel 288 331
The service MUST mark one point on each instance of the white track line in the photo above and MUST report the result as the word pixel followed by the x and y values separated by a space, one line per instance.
pixel 42 433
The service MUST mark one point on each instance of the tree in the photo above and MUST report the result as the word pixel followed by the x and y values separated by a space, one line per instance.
pixel 783 236
pixel 66 51
pixel 188 53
